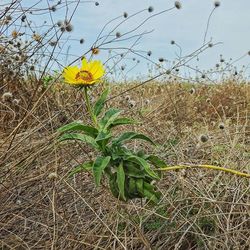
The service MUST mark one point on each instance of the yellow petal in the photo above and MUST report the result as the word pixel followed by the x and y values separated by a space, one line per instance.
pixel 97 69
pixel 84 64
pixel 98 74
pixel 69 74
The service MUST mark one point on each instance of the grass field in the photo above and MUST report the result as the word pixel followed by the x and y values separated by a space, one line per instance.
pixel 42 208
pixel 179 179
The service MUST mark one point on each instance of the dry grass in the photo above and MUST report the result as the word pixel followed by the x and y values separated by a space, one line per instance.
pixel 42 208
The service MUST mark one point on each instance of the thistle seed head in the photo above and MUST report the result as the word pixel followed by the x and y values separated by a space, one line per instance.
pixel 216 4
pixel 221 126
pixel 177 5
pixel 69 27
pixel 204 138
pixel 150 9
pixel 118 34
pixel 131 104
pixel 7 96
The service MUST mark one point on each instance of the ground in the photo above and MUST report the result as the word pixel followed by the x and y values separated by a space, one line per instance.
pixel 41 207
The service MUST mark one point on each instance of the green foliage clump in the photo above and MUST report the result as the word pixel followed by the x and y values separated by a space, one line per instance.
pixel 130 174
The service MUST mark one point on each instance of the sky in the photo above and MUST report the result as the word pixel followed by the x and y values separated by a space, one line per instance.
pixel 229 26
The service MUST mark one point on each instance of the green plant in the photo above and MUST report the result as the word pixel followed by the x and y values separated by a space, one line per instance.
pixel 130 174
pixel 49 78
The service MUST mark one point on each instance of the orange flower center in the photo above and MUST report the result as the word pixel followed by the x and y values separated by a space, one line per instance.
pixel 85 76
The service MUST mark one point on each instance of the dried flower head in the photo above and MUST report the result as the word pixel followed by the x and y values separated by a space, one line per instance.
pixel 59 23
pixel 127 97
pixel 222 126
pixel 131 104
pixel 14 34
pixel 53 8
pixel 204 138
pixel 69 27
pixel 23 18
pixel 16 101
pixel 36 37
pixel 53 176
pixel 32 67
pixel 177 5
pixel 216 4
pixel 118 34
pixel 150 9
pixel 8 17
pixel 192 91
pixel 7 96
pixel 52 43
pixel 95 51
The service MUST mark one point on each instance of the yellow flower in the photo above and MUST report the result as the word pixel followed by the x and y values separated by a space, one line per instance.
pixel 88 74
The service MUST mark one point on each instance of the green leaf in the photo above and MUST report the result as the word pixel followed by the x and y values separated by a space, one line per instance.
pixel 131 136
pixel 150 193
pixel 99 165
pixel 156 161
pixel 113 185
pixel 142 154
pixel 139 186
pixel 79 168
pixel 121 181
pixel 132 190
pixel 122 121
pixel 144 164
pixel 151 196
pixel 132 169
pixel 103 138
pixel 120 152
pixel 108 118
pixel 80 137
pixel 74 126
pixel 100 102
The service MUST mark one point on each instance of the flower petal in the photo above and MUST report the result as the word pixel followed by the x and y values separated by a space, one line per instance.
pixel 85 65
pixel 69 74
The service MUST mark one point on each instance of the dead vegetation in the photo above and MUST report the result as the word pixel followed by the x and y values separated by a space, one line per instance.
pixel 196 122
pixel 42 208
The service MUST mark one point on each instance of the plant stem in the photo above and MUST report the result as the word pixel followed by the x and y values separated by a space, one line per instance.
pixel 89 108
pixel 208 167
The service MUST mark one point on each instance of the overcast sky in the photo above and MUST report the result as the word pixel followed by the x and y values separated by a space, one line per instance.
pixel 229 24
